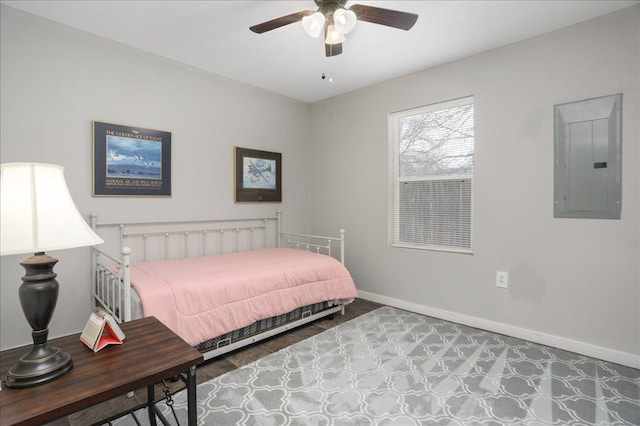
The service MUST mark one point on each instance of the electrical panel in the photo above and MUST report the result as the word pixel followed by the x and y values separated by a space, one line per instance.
pixel 587 181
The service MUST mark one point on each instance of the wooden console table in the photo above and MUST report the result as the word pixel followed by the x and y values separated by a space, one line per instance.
pixel 150 352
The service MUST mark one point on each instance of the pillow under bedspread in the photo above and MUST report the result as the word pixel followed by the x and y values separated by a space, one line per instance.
pixel 204 297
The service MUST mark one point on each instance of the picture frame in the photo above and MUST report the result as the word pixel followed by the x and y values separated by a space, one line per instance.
pixel 258 176
pixel 131 161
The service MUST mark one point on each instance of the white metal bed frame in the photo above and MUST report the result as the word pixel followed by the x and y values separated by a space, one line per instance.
pixel 111 280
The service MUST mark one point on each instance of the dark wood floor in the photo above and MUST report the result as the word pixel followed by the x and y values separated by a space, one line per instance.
pixel 223 364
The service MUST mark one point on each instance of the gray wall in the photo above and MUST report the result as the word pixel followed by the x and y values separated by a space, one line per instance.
pixel 56 80
pixel 574 279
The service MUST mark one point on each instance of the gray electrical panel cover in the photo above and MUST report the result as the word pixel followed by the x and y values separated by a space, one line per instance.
pixel 587 176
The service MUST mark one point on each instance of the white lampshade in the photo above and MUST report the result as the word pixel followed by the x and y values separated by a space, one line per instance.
pixel 333 36
pixel 37 213
pixel 344 20
pixel 313 24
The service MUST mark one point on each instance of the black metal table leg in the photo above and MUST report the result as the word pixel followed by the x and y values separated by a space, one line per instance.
pixel 191 396
pixel 150 403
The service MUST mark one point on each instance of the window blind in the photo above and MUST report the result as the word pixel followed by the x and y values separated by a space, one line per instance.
pixel 432 176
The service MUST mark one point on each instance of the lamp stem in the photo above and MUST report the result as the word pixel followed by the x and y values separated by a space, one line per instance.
pixel 38 297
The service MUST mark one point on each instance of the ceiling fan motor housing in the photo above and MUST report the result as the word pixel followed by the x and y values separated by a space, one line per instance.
pixel 328 7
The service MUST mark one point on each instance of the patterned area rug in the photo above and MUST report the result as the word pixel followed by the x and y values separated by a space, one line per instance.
pixel 392 367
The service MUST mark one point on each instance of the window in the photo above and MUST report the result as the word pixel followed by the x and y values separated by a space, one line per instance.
pixel 432 174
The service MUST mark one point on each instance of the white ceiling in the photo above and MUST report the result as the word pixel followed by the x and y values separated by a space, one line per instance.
pixel 215 36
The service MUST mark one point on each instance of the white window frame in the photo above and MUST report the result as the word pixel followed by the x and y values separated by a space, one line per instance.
pixel 395 180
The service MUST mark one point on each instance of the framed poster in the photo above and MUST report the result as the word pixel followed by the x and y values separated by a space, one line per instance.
pixel 258 176
pixel 131 161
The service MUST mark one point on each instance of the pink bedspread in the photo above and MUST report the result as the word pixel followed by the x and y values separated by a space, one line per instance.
pixel 205 297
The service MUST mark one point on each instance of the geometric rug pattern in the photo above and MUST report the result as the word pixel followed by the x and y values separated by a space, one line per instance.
pixel 393 367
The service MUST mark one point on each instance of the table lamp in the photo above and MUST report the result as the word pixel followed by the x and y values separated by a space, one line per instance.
pixel 37 214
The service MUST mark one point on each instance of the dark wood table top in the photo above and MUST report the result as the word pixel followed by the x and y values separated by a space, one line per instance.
pixel 150 353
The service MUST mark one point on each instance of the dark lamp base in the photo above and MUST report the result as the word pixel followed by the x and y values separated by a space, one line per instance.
pixel 41 364
pixel 38 296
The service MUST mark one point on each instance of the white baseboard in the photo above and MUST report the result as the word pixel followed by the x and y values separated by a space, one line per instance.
pixel 623 358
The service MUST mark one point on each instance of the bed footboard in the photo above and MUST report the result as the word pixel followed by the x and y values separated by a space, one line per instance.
pixel 314 243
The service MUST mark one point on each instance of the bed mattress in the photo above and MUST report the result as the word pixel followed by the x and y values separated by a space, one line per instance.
pixel 208 297
pixel 263 325
pixel 254 329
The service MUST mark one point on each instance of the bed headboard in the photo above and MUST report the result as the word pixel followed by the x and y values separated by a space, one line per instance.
pixel 163 240
pixel 176 239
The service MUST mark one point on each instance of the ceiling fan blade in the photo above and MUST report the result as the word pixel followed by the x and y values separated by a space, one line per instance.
pixel 280 22
pixel 388 17
pixel 332 49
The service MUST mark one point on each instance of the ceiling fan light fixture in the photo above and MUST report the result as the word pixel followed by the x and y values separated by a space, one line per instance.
pixel 313 24
pixel 344 20
pixel 333 36
pixel 333 20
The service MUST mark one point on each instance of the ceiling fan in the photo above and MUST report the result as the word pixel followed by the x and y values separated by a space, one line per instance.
pixel 333 20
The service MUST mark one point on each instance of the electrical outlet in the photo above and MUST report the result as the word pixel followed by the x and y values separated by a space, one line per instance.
pixel 502 279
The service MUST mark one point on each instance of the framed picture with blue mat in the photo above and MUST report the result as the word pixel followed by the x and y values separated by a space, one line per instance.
pixel 131 161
